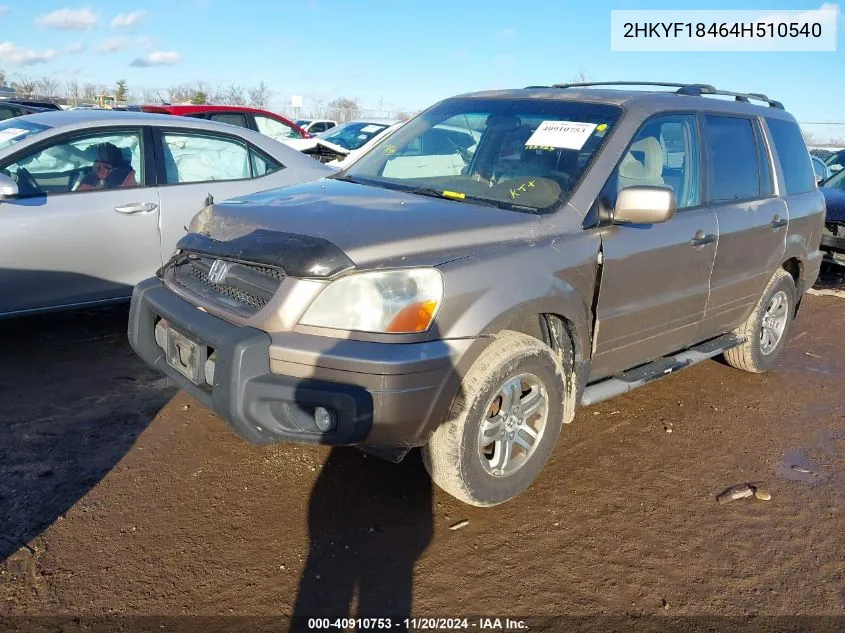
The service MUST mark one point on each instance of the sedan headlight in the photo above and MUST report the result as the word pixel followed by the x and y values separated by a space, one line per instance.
pixel 391 301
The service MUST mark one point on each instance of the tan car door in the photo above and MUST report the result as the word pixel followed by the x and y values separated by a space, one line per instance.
pixel 752 220
pixel 655 278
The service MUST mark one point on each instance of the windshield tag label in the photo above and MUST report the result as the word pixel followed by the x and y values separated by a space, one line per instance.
pixel 371 128
pixel 561 134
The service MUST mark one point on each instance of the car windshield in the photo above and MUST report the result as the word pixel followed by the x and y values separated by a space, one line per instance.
pixel 836 158
pixel 15 130
pixel 521 154
pixel 837 181
pixel 353 134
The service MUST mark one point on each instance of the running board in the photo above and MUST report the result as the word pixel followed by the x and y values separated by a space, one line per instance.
pixel 645 374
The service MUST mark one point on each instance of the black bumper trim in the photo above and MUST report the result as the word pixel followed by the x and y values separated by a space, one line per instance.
pixel 258 405
pixel 833 244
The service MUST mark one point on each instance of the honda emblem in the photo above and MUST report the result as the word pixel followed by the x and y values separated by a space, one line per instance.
pixel 217 272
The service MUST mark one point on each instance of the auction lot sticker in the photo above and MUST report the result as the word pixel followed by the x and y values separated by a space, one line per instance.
pixel 561 134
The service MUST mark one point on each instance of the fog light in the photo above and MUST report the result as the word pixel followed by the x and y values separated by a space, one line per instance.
pixel 161 334
pixel 324 418
pixel 210 364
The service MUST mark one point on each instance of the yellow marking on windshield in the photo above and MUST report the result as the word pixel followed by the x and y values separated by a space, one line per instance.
pixel 601 127
pixel 454 194
pixel 514 193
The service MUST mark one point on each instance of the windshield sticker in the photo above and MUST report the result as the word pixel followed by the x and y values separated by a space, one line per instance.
pixel 601 127
pixel 371 128
pixel 561 134
pixel 10 133
pixel 515 193
pixel 389 150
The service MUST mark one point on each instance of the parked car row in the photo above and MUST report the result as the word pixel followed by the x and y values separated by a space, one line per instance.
pixel 465 281
pixel 94 201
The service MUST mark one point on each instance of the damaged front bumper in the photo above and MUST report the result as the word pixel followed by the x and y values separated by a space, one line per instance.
pixel 379 395
pixel 833 239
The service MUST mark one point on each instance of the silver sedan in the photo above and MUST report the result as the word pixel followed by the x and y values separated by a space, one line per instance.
pixel 92 202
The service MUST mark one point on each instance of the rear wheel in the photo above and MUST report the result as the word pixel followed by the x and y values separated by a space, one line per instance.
pixel 502 427
pixel 766 328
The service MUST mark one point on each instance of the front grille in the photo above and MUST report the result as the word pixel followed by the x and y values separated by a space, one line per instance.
pixel 245 288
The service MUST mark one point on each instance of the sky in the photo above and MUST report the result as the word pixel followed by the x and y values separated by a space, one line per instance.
pixel 402 56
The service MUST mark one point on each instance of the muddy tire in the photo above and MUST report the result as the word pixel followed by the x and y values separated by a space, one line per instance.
pixel 766 329
pixel 503 425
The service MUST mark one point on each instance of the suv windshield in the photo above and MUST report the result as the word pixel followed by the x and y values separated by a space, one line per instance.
pixel 15 130
pixel 520 154
pixel 353 134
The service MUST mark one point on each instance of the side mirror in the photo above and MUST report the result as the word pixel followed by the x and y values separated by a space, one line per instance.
pixel 644 204
pixel 8 188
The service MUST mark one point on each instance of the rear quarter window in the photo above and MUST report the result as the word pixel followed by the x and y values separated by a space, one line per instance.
pixel 794 159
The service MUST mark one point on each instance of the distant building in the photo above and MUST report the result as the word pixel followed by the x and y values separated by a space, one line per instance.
pixel 6 91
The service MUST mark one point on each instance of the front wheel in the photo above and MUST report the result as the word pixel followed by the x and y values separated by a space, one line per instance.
pixel 502 427
pixel 766 328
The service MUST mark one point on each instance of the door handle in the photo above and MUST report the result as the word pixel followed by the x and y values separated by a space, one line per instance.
pixel 136 207
pixel 701 238
pixel 777 222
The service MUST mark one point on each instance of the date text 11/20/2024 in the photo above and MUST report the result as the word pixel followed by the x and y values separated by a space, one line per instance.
pixel 417 624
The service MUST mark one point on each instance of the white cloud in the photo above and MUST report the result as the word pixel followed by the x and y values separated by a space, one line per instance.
pixel 11 54
pixel 157 59
pixel 69 19
pixel 113 45
pixel 131 19
pixel 4 9
pixel 76 48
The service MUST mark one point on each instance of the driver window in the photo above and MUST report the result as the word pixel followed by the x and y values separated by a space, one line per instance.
pixel 663 153
pixel 104 161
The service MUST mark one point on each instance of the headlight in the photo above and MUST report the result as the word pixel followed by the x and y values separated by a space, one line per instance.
pixel 394 301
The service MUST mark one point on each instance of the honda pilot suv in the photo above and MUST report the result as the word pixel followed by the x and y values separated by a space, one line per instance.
pixel 501 259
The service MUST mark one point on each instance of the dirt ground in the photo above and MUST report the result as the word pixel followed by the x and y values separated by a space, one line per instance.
pixel 120 495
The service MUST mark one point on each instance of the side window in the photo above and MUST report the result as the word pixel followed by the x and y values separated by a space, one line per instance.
pixel 274 129
pixel 8 112
pixel 104 161
pixel 734 172
pixel 317 128
pixel 664 152
pixel 261 164
pixel 203 158
pixel 793 156
pixel 232 118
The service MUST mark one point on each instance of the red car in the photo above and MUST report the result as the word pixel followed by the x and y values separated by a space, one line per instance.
pixel 267 123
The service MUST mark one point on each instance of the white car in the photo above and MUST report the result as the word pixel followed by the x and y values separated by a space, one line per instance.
pixel 316 126
pixel 339 141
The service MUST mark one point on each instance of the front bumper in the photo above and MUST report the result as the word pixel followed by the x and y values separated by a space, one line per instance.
pixel 397 407
pixel 833 239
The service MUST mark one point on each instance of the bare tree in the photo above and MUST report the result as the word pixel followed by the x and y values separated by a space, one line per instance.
pixel 259 96
pixel 72 91
pixel 89 91
pixel 47 87
pixel 25 84
pixel 2 77
pixel 234 95
pixel 344 109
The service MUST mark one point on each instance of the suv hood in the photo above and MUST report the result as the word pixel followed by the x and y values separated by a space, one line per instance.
pixel 374 227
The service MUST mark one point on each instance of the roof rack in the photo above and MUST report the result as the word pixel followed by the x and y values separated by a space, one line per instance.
pixel 695 90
